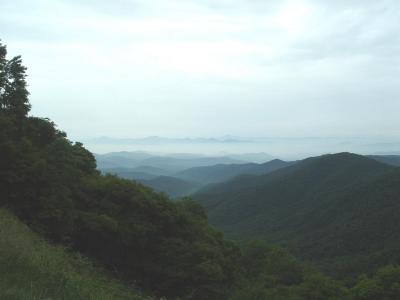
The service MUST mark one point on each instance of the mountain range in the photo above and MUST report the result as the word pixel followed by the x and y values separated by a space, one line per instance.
pixel 172 186
pixel 325 209
pixel 69 232
pixel 168 163
pixel 180 175
pixel 223 172
pixel 164 140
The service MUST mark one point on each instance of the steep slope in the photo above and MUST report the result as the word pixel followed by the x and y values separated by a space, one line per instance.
pixel 223 172
pixel 300 206
pixel 174 187
pixel 34 269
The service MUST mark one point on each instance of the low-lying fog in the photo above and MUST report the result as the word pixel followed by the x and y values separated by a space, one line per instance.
pixel 285 148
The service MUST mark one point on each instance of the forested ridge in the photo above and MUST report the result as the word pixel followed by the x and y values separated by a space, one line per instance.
pixel 135 235
pixel 339 211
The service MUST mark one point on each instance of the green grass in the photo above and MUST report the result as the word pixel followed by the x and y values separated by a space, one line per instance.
pixel 31 268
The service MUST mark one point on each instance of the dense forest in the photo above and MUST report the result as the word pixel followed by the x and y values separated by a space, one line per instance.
pixel 339 211
pixel 83 228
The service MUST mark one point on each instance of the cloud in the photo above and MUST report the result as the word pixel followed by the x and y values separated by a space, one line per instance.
pixel 294 67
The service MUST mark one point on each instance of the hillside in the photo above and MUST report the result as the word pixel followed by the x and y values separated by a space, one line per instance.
pixel 302 206
pixel 173 187
pixel 56 208
pixel 33 269
pixel 51 184
pixel 393 160
pixel 191 180
pixel 223 172
pixel 360 226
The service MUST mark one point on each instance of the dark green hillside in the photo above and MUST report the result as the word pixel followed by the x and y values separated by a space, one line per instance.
pixel 52 184
pixel 223 172
pixel 173 187
pixel 311 207
pixel 33 269
pixel 361 226
pixel 320 174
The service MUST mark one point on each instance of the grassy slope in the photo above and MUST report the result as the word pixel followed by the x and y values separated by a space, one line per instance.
pixel 33 269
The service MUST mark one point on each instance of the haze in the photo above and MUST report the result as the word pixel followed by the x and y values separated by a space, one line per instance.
pixel 277 69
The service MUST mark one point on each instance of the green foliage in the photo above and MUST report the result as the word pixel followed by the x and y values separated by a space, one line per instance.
pixel 317 209
pixel 144 239
pixel 13 92
pixel 319 287
pixel 165 247
pixel 261 258
pixel 33 269
pixel 141 236
pixel 271 273
pixel 384 285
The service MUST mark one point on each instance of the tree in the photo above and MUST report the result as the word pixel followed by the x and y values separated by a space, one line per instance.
pixel 385 285
pixel 3 63
pixel 13 91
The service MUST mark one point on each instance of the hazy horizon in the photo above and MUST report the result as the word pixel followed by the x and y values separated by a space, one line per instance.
pixel 277 69
pixel 283 148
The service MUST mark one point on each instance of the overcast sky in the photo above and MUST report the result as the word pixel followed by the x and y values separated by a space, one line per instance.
pixel 133 68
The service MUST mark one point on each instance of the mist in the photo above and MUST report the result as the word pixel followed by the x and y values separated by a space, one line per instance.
pixel 287 70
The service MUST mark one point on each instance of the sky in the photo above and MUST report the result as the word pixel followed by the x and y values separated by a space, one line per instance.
pixel 200 68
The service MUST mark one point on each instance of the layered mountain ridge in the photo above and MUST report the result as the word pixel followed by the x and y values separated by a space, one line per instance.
pixel 322 208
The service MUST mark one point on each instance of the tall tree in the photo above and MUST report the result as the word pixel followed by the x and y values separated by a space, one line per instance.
pixel 13 91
